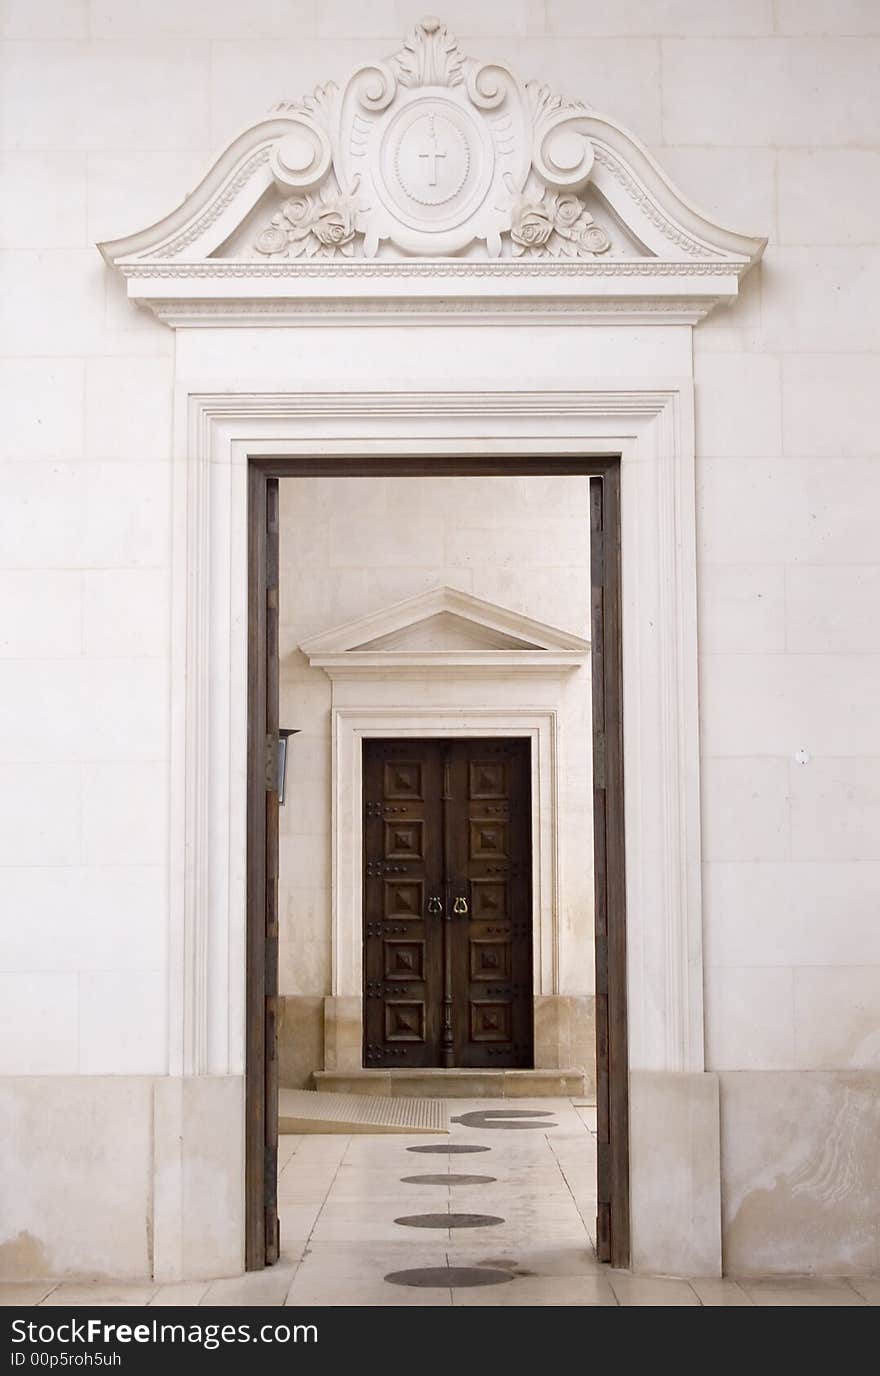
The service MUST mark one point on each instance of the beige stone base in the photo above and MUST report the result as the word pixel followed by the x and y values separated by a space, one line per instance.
pixel 123 1177
pixel 565 1034
pixel 133 1177
pixel 675 1173
pixel 454 1084
pixel 565 1037
pixel 801 1172
pixel 343 1034
pixel 300 1039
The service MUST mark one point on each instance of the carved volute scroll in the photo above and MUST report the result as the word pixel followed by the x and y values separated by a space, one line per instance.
pixel 431 152
pixel 431 182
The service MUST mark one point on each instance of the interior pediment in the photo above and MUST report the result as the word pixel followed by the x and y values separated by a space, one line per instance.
pixel 444 626
pixel 428 175
pixel 448 631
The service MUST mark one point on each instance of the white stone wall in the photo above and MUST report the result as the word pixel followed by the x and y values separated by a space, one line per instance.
pixel 766 113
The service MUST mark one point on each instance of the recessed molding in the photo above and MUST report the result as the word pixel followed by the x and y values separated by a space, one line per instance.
pixel 652 429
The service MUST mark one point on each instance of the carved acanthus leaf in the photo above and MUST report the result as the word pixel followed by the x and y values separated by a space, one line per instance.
pixel 545 102
pixel 430 56
pixel 318 105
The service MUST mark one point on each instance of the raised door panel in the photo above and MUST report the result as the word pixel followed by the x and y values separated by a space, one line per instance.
pixel 491 896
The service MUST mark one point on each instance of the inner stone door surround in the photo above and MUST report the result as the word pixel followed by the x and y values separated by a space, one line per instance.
pixel 478 690
pixel 343 1012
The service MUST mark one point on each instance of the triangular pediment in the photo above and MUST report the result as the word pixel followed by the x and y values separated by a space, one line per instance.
pixel 448 631
pixel 430 176
pixel 444 627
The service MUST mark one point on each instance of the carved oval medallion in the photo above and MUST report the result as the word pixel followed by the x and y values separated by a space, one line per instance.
pixel 435 164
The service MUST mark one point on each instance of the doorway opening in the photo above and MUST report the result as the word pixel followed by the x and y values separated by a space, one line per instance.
pixel 482 1030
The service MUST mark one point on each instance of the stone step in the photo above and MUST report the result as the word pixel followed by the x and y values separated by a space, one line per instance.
pixel 454 1084
pixel 305 1110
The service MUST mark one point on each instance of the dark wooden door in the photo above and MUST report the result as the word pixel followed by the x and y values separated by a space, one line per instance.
pixel 490 894
pixel 261 1114
pixel 403 902
pixel 612 1100
pixel 447 904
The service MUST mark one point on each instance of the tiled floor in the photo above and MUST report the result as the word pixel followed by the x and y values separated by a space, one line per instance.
pixel 339 1198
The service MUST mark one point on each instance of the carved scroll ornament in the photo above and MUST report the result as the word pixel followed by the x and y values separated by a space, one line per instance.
pixel 433 153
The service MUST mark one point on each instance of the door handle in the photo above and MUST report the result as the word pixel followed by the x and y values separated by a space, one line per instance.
pixel 435 904
pixel 460 906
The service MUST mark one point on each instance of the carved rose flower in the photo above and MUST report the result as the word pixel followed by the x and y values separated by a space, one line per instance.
pixel 594 239
pixel 286 230
pixel 334 225
pixel 556 226
pixel 298 214
pixel 273 239
pixel 308 227
pixel 573 222
pixel 531 226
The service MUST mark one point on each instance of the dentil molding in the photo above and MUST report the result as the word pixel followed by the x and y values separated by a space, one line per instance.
pixel 430 183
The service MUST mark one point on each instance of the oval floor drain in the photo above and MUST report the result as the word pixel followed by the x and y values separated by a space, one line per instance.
pixel 448 1179
pixel 449 1220
pixel 449 1277
pixel 449 1147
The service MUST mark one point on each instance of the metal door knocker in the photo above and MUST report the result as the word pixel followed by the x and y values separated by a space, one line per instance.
pixel 435 905
pixel 460 906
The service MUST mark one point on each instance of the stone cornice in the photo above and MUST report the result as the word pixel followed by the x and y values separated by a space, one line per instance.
pixel 218 292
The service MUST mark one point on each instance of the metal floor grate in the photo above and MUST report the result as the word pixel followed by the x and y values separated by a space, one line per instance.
pixel 305 1110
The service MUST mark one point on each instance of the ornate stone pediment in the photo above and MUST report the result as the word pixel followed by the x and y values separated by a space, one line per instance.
pixel 444 627
pixel 428 175
pixel 429 153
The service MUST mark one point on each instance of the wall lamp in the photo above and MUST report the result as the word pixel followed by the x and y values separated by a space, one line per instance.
pixel 284 734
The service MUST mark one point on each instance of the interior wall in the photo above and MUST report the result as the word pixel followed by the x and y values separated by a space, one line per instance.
pixel 351 546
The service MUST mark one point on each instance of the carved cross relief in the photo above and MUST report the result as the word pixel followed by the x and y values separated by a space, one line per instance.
pixel 432 153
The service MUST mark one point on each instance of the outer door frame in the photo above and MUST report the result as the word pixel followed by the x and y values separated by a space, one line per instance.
pixel 609 871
